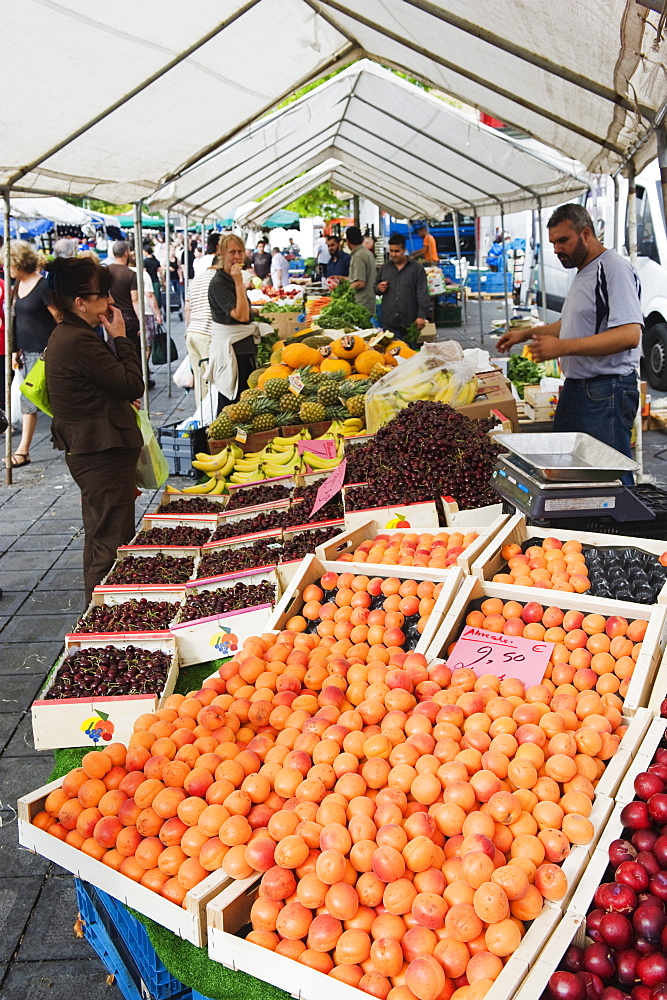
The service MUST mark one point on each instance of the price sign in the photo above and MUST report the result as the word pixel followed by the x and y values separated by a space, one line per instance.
pixel 331 485
pixel 296 384
pixel 325 449
pixel 502 655
pixel 241 435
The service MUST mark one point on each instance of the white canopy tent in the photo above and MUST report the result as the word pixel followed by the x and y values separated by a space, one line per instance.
pixel 54 209
pixel 586 79
pixel 387 129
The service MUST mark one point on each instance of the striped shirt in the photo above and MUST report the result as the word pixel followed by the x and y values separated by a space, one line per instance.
pixel 200 310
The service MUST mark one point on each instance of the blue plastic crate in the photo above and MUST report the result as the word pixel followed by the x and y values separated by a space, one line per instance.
pixel 199 996
pixel 490 282
pixel 125 940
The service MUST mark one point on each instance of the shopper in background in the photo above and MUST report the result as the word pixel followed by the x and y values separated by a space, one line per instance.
pixel 198 325
pixel 65 247
pixel 597 338
pixel 339 261
pixel 362 270
pixel 261 261
pixel 404 290
pixel 2 344
pixel 176 270
pixel 34 320
pixel 152 265
pixel 206 260
pixel 292 249
pixel 279 269
pixel 233 351
pixel 91 390
pixel 322 256
pixel 428 251
pixel 124 290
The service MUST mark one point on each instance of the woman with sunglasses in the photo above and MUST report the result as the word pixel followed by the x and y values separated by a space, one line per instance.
pixel 93 374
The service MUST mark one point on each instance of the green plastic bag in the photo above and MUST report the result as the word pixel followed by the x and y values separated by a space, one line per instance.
pixel 35 389
pixel 152 469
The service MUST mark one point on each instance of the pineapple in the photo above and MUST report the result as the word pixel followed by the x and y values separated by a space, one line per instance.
pixel 377 371
pixel 356 405
pixel 337 412
pixel 250 394
pixel 276 387
pixel 221 428
pixel 286 419
pixel 289 403
pixel 241 412
pixel 263 422
pixel 328 393
pixel 312 413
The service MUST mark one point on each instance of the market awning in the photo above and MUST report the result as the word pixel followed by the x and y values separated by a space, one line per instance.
pixel 52 209
pixel 282 217
pixel 586 79
pixel 417 148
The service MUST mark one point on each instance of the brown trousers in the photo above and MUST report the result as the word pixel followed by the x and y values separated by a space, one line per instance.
pixel 106 481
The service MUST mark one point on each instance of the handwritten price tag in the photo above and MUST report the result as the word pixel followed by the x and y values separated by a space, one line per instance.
pixel 325 449
pixel 502 655
pixel 330 487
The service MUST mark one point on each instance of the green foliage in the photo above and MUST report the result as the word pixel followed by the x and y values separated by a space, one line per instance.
pixel 265 347
pixel 323 201
pixel 522 371
pixel 343 312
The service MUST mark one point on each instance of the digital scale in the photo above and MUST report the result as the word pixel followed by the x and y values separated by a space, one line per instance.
pixel 552 475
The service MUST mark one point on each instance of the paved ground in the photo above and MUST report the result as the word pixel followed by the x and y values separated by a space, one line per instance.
pixel 40 574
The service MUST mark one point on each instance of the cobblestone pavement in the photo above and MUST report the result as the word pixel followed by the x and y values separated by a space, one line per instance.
pixel 41 539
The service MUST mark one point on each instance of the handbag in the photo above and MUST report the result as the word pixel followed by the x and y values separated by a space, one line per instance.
pixel 152 468
pixel 34 387
pixel 159 350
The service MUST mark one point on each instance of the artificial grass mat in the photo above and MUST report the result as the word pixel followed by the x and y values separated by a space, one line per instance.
pixel 184 960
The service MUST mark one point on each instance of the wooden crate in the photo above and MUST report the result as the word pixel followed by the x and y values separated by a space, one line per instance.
pixel 459 519
pixel 348 541
pixel 115 596
pixel 145 552
pixel 571 929
pixel 517 531
pixel 228 912
pixel 652 647
pixel 153 550
pixel 641 759
pixel 239 543
pixel 188 922
pixel 420 516
pixel 199 640
pixel 658 692
pixel 312 568
pixel 61 722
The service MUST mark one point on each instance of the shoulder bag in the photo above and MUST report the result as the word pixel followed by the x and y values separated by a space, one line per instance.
pixel 159 350
pixel 34 386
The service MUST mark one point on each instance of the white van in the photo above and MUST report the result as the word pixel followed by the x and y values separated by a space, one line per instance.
pixel 651 261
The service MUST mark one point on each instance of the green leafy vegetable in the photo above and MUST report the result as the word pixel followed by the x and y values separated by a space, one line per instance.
pixel 522 371
pixel 343 312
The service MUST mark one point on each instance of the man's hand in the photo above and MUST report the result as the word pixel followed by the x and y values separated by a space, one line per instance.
pixel 382 287
pixel 420 322
pixel 509 339
pixel 544 347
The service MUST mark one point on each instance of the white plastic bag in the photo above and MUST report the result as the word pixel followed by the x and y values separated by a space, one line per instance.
pixel 16 398
pixel 183 377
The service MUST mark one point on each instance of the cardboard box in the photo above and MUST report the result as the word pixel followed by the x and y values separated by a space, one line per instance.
pixel 494 394
pixel 428 334
pixel 286 324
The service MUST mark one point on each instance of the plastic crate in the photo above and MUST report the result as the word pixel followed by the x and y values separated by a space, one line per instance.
pixel 447 314
pixel 491 282
pixel 123 945
pixel 179 450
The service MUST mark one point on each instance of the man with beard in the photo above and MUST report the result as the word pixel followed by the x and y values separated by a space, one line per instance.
pixel 597 337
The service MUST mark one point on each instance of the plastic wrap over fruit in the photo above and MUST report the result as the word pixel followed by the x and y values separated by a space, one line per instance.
pixel 441 372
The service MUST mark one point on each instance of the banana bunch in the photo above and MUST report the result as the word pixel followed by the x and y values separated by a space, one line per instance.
pixel 346 428
pixel 454 392
pixel 217 467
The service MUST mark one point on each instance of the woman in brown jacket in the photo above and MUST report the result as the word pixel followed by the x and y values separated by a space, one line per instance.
pixel 92 385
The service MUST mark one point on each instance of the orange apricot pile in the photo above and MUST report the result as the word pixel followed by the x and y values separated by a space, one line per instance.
pixel 553 565
pixel 406 822
pixel 340 608
pixel 410 549
pixel 591 652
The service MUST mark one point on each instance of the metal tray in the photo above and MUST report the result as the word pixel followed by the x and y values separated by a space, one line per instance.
pixel 568 457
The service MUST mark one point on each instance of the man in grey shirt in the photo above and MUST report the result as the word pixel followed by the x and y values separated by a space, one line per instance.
pixel 404 290
pixel 597 337
pixel 362 270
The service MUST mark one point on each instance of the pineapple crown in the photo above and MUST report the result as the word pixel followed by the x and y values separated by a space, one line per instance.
pixel 263 404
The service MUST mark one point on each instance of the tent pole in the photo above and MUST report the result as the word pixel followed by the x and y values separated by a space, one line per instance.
pixel 543 283
pixel 186 256
pixel 139 260
pixel 167 244
pixel 478 265
pixel 661 137
pixel 455 224
pixel 632 213
pixel 616 206
pixel 9 341
pixel 504 263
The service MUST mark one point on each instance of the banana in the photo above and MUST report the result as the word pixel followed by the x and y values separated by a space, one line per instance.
pixel 319 463
pixel 245 477
pixel 171 489
pixel 282 444
pixel 206 487
pixel 284 458
pixel 218 488
pixel 215 463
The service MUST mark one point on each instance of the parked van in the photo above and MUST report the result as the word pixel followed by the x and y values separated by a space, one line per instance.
pixel 651 260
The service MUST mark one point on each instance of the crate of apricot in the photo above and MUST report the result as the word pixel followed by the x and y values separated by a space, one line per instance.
pixel 366 615
pixel 609 566
pixel 611 648
pixel 370 547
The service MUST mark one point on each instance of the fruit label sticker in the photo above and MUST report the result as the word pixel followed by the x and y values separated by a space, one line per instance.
pixel 296 384
pixel 331 485
pixel 225 641
pixel 397 521
pixel 325 449
pixel 98 727
pixel 502 655
pixel 241 435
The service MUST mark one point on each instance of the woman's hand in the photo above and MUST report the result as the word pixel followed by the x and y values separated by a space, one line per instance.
pixel 17 360
pixel 116 326
pixel 237 272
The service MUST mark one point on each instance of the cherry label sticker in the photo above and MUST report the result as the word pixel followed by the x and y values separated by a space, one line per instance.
pixel 325 449
pixel 502 655
pixel 331 485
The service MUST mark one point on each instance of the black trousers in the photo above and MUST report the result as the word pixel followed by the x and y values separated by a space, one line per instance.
pixel 106 481
pixel 246 364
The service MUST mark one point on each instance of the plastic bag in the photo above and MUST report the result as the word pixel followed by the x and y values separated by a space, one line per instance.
pixel 152 469
pixel 183 377
pixel 439 372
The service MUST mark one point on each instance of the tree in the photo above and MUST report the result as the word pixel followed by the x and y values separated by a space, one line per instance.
pixel 323 201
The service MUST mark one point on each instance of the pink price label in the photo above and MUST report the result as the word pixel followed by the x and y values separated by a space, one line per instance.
pixel 325 449
pixel 502 655
pixel 331 485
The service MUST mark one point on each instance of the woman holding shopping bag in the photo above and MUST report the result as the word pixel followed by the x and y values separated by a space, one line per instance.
pixel 92 385
pixel 234 336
